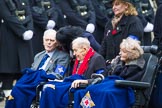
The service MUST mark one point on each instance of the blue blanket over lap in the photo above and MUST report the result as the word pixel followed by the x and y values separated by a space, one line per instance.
pixel 25 89
pixel 58 97
pixel 104 95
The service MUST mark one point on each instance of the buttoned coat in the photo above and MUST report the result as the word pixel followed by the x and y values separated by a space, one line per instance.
pixel 128 25
pixel 15 53
pixel 41 15
pixel 73 17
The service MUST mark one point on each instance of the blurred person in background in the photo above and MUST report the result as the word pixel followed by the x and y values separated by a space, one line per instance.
pixel 158 2
pixel 16 32
pixel 80 13
pixel 156 96
pixel 101 18
pixel 146 15
pixel 46 15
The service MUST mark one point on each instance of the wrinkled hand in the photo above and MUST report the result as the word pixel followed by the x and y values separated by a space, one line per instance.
pixel 90 28
pixel 76 83
pixel 27 35
pixel 51 24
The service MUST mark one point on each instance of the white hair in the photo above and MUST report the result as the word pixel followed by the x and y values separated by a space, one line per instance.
pixel 50 32
pixel 81 42
pixel 132 47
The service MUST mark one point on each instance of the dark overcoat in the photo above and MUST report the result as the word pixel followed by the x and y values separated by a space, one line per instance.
pixel 101 18
pixel 15 53
pixel 73 15
pixel 128 25
pixel 41 15
pixel 156 96
pixel 146 15
pixel 158 28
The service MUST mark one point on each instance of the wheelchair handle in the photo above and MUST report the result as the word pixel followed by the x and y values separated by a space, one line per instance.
pixel 97 78
pixel 150 49
pixel 94 76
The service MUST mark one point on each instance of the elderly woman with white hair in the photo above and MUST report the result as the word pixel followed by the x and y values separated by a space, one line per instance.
pixel 130 63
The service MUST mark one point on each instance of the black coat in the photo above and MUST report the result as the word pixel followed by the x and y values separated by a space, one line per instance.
pixel 41 15
pixel 128 25
pixel 73 16
pixel 145 11
pixel 95 64
pixel 158 2
pixel 130 72
pixel 133 70
pixel 15 53
pixel 158 28
pixel 101 18
pixel 146 15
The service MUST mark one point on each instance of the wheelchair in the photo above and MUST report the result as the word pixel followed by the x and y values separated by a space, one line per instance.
pixel 142 89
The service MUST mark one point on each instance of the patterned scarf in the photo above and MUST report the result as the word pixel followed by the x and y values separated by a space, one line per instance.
pixel 84 64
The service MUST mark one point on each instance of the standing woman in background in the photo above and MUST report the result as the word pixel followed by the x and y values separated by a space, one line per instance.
pixel 124 23
pixel 16 32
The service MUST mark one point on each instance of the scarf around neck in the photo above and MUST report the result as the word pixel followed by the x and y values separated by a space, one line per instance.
pixel 84 65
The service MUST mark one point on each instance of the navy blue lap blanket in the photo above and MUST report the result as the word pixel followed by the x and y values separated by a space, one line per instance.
pixel 103 95
pixel 57 96
pixel 25 89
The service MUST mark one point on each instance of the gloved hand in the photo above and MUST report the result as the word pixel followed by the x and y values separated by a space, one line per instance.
pixel 27 35
pixel 90 28
pixel 51 24
pixel 149 27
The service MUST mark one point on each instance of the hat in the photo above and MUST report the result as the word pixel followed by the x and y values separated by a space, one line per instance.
pixel 130 1
pixel 133 37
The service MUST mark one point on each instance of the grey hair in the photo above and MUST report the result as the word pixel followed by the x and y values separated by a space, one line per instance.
pixel 132 47
pixel 50 32
pixel 81 42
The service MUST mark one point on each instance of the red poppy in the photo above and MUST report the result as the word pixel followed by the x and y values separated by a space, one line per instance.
pixel 114 32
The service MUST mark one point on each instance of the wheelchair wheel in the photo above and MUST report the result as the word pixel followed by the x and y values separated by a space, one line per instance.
pixel 34 105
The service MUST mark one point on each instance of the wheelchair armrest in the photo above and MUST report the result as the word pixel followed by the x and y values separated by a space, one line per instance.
pixel 38 89
pixel 82 86
pixel 133 84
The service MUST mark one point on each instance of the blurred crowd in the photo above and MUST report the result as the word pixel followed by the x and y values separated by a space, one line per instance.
pixel 23 22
